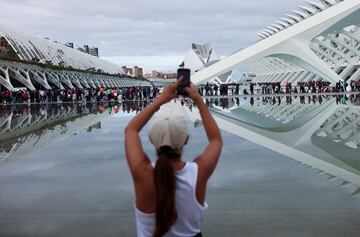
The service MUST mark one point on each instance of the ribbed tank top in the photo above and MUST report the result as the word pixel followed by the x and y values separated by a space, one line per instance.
pixel 189 210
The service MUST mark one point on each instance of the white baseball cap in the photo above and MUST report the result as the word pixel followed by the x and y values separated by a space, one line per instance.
pixel 169 127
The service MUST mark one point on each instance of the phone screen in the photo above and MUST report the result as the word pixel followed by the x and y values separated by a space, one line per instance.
pixel 185 82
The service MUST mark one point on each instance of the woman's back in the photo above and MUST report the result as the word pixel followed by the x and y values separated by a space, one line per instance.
pixel 189 210
pixel 171 189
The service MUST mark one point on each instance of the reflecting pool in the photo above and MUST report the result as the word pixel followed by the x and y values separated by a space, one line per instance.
pixel 322 132
pixel 290 167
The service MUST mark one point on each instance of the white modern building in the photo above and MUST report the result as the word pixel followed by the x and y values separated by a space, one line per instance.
pixel 199 56
pixel 31 61
pixel 318 41
pixel 202 56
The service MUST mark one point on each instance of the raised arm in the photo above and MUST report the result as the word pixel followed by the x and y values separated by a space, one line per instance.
pixel 207 161
pixel 135 154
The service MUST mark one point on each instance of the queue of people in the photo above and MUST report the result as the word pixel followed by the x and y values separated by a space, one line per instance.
pixel 78 95
pixel 276 88
pixel 150 92
pixel 216 90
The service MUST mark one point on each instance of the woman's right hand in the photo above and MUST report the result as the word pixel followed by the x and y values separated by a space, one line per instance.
pixel 193 92
pixel 169 91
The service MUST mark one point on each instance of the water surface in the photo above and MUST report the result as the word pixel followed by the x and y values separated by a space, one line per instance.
pixel 63 170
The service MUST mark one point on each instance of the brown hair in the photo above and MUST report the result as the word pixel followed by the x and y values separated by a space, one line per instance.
pixel 165 184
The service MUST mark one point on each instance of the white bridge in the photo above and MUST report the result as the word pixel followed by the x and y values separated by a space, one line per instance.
pixel 319 41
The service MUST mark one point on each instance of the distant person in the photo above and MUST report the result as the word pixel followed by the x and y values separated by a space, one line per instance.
pixel 252 88
pixel 170 196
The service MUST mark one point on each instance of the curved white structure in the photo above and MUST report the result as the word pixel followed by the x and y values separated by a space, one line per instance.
pixel 32 48
pixel 33 62
pixel 36 76
pixel 202 56
pixel 319 41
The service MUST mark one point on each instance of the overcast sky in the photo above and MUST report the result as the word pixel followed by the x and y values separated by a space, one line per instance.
pixel 155 34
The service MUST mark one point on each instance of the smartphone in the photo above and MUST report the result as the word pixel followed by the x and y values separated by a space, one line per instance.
pixel 185 82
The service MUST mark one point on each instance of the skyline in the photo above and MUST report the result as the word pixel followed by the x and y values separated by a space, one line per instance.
pixel 155 36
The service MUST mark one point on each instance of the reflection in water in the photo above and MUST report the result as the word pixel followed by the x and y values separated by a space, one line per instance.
pixel 272 113
pixel 339 135
pixel 342 127
pixel 24 128
pixel 322 132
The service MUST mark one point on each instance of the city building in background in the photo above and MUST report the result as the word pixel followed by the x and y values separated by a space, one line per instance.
pixel 161 78
pixel 94 51
pixel 138 72
pixel 86 49
pixel 128 71
pixel 70 44
pixel 133 72
pixel 163 75
pixel 155 74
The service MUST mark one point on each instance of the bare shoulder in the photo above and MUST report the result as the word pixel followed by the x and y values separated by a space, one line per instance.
pixel 144 172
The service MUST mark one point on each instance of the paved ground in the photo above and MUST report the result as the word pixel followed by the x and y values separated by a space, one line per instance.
pixel 81 187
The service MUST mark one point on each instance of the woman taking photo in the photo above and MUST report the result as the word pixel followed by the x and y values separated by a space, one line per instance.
pixel 170 196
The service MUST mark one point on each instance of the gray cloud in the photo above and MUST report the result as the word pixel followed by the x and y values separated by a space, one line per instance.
pixel 144 27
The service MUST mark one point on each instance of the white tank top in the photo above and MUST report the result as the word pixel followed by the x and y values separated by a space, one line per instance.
pixel 189 210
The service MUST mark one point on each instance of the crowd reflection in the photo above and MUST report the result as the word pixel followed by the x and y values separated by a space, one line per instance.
pixel 14 116
pixel 226 103
pixel 137 106
pixel 78 108
pixel 24 128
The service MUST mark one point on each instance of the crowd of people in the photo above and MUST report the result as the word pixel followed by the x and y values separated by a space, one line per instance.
pixel 150 92
pixel 276 88
pixel 301 87
pixel 77 95
pixel 216 90
pixel 229 102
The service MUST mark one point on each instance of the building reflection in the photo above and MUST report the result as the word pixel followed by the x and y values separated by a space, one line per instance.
pixel 25 128
pixel 322 132
pixel 273 113
pixel 341 131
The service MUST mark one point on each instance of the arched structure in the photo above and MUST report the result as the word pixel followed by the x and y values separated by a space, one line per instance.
pixel 31 61
pixel 319 41
pixel 202 56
